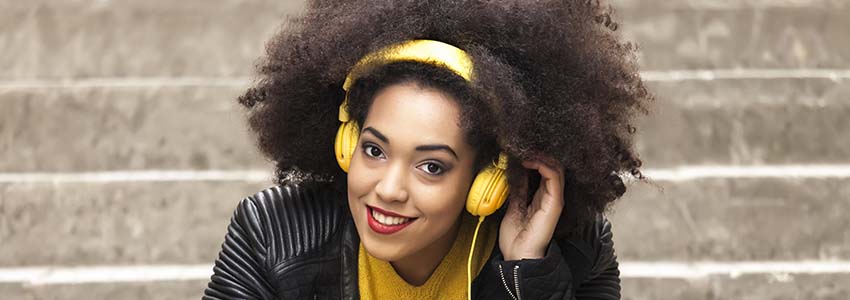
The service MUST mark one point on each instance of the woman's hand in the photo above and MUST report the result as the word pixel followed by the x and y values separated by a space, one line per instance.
pixel 529 238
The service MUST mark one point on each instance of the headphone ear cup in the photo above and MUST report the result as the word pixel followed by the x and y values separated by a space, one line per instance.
pixel 345 144
pixel 488 192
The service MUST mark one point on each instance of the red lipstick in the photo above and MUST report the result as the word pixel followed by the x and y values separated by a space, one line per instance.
pixel 388 213
pixel 382 228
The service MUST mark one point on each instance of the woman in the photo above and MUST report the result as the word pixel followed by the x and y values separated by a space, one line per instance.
pixel 431 108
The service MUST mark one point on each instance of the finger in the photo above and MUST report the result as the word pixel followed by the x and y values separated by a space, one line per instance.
pixel 544 169
pixel 553 179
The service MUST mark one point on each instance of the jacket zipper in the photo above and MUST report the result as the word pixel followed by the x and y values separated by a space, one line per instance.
pixel 516 282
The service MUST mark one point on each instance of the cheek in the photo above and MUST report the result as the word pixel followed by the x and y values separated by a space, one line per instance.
pixel 359 176
pixel 359 184
pixel 442 200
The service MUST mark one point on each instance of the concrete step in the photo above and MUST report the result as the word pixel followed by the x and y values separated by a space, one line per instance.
pixel 67 130
pixel 49 39
pixel 126 223
pixel 738 35
pixel 185 222
pixel 165 290
pixel 735 220
pixel 746 122
pixel 768 286
pixel 724 4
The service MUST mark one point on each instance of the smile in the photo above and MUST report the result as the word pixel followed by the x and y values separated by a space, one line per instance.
pixel 384 222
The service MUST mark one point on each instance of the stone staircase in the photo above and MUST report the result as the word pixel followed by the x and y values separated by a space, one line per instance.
pixel 104 100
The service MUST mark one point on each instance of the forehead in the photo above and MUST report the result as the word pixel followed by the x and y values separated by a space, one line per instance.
pixel 413 115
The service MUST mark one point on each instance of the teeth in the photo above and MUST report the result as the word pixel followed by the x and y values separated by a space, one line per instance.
pixel 387 220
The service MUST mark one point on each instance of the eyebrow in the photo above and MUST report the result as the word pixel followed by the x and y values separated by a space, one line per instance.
pixel 377 134
pixel 430 147
pixel 435 147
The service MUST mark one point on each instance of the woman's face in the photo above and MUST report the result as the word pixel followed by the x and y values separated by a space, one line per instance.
pixel 412 160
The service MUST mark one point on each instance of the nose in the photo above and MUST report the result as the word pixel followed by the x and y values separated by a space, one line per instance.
pixel 392 186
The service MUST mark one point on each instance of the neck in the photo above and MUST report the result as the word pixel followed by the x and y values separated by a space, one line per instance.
pixel 418 267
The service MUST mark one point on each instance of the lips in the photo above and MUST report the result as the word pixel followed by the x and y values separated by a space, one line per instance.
pixel 389 213
pixel 389 222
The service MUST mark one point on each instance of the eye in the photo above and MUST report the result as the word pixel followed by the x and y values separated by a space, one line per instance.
pixel 372 151
pixel 432 168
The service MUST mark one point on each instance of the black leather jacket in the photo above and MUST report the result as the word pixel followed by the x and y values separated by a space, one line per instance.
pixel 299 242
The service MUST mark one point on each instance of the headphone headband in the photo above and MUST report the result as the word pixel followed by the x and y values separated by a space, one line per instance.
pixel 425 51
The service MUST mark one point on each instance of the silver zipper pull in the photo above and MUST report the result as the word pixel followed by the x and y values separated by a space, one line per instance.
pixel 505 283
pixel 516 281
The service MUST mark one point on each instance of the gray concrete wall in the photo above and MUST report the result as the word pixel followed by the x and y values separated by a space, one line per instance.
pixel 89 88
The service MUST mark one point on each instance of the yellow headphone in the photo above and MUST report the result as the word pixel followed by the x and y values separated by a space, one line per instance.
pixel 490 187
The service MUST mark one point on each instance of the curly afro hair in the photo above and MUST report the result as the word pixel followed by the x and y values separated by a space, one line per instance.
pixel 552 79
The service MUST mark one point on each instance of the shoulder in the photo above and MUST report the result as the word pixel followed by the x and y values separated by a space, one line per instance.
pixel 591 252
pixel 293 219
pixel 271 232
pixel 604 241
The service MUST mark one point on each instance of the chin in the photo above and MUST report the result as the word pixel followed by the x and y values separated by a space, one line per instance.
pixel 382 252
pixel 386 250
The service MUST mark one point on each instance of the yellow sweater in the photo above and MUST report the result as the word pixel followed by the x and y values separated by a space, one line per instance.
pixel 378 279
